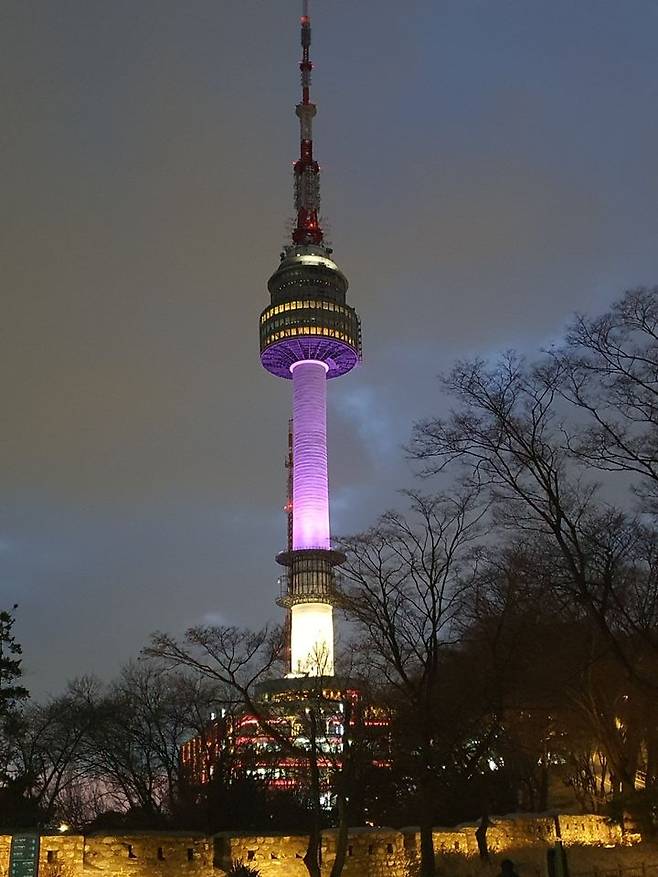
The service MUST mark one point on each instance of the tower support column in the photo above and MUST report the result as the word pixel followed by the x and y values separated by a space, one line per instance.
pixel 312 639
pixel 310 491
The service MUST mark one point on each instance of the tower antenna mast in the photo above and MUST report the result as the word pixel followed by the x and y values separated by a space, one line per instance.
pixel 306 170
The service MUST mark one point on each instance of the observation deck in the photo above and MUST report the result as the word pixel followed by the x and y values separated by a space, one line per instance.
pixel 308 318
pixel 310 577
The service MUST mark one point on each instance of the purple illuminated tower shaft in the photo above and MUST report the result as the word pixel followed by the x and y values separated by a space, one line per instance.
pixel 310 492
pixel 309 334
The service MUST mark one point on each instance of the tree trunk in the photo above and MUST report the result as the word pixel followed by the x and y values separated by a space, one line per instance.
pixel 343 792
pixel 427 867
pixel 542 804
pixel 341 837
pixel 481 837
pixel 427 862
pixel 313 855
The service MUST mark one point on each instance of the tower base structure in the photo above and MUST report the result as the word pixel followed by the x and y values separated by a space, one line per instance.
pixel 309 592
pixel 311 640
pixel 332 688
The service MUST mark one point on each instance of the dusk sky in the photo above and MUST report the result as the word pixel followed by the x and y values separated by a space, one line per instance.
pixel 488 168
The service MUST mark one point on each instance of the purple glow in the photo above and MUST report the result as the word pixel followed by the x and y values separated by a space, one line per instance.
pixel 310 487
pixel 339 357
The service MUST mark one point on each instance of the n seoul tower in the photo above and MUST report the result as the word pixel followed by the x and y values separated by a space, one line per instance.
pixel 309 334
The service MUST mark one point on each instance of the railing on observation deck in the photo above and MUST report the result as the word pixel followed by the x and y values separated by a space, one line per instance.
pixel 332 590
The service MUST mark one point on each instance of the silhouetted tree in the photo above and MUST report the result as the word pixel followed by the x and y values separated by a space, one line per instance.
pixel 608 369
pixel 133 744
pixel 408 579
pixel 509 437
pixel 14 809
pixel 240 660
pixel 12 692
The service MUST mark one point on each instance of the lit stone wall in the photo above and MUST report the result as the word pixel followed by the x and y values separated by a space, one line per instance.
pixel 593 844
pixel 58 855
pixel 143 855
pixel 519 831
pixel 376 852
pixel 136 855
pixel 370 853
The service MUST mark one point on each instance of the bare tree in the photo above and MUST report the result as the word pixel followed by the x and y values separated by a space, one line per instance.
pixel 48 745
pixel 511 438
pixel 235 658
pixel 408 577
pixel 609 370
pixel 567 706
pixel 132 748
pixel 240 659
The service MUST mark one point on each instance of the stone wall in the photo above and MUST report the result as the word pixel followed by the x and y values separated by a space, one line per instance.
pixel 58 855
pixel 592 841
pixel 130 855
pixel 370 853
pixel 376 852
pixel 519 831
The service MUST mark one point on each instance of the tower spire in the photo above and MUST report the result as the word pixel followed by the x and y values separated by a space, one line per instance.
pixel 306 170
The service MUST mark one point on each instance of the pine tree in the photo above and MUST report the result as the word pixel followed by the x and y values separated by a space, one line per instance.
pixel 11 693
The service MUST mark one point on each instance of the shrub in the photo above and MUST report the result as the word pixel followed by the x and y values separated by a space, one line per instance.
pixel 239 869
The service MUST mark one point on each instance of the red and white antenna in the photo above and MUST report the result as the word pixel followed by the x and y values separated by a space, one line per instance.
pixel 306 169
